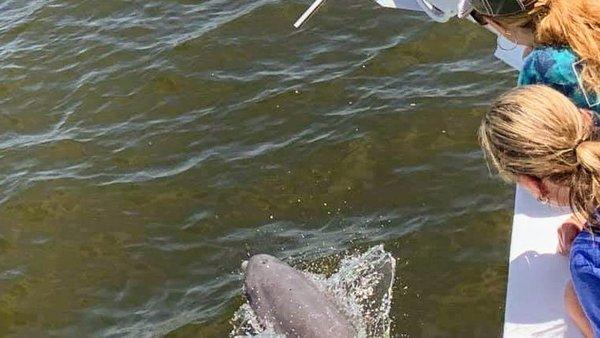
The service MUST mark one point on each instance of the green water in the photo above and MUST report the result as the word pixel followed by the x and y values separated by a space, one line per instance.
pixel 148 147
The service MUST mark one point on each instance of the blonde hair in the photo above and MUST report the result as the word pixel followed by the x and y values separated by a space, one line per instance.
pixel 574 23
pixel 537 131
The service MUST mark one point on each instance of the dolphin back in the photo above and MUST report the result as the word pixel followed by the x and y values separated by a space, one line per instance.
pixel 286 300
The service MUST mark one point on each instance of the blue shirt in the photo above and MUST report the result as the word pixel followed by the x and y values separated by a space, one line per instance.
pixel 553 67
pixel 585 272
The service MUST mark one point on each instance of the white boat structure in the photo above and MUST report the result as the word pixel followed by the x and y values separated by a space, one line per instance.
pixel 537 274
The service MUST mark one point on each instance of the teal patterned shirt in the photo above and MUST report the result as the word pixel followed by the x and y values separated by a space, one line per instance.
pixel 553 67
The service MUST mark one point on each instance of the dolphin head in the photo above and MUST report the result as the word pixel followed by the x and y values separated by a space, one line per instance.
pixel 284 298
pixel 265 273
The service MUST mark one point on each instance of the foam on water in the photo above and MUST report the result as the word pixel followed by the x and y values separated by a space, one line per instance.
pixel 361 288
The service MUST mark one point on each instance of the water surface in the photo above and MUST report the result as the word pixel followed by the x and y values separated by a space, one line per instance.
pixel 148 147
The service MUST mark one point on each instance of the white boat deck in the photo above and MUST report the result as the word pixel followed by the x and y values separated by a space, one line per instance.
pixel 537 274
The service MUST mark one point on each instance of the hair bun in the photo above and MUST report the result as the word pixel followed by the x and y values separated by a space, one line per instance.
pixel 588 154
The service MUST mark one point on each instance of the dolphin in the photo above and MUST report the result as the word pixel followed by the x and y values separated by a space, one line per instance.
pixel 284 299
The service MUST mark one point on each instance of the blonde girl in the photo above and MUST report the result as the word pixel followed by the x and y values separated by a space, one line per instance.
pixel 537 137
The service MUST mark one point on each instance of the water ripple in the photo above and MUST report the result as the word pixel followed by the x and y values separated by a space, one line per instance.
pixel 150 146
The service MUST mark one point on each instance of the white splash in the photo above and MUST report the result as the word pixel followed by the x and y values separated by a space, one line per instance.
pixel 361 288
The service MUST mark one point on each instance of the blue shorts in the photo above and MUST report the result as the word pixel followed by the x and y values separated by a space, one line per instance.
pixel 585 272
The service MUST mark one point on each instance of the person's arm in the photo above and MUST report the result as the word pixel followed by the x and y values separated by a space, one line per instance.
pixel 576 312
pixel 567 233
pixel 585 273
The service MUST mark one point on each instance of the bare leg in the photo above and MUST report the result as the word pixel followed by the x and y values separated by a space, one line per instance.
pixel 576 312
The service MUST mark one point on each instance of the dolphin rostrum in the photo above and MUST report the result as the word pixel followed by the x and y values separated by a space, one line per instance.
pixel 286 300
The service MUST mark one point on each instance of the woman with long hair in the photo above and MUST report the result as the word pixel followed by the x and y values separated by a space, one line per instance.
pixel 564 36
pixel 537 137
